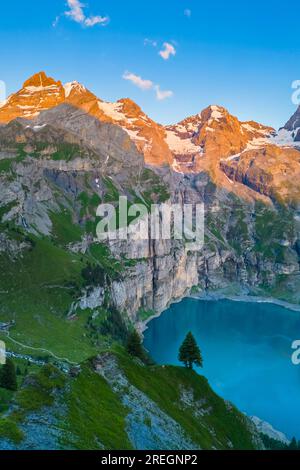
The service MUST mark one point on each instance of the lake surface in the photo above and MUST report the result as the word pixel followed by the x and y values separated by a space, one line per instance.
pixel 246 349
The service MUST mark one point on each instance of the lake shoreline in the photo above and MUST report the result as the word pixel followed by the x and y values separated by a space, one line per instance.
pixel 217 296
pixel 257 343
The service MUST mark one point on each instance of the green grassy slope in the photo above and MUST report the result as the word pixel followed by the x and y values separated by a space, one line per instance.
pixel 89 414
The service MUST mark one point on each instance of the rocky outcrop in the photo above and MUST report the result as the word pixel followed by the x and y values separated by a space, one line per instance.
pixel 37 94
pixel 166 274
pixel 163 432
pixel 271 170
pixel 293 125
pixel 200 141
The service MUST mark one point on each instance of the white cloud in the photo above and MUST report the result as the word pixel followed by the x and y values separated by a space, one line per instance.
pixel 93 20
pixel 188 12
pixel 148 85
pixel 138 81
pixel 167 51
pixel 162 95
pixel 76 13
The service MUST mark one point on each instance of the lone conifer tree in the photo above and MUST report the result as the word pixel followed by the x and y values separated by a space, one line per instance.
pixel 8 377
pixel 189 352
pixel 134 345
pixel 293 444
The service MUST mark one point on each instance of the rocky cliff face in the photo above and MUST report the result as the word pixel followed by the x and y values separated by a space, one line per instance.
pixel 268 171
pixel 212 134
pixel 199 142
pixel 68 151
pixel 250 248
pixel 293 126
pixel 38 93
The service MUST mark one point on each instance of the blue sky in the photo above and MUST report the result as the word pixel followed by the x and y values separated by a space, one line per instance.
pixel 243 55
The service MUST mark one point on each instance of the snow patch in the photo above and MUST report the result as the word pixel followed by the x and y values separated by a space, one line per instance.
pixel 112 110
pixel 181 146
pixel 216 113
pixel 35 89
pixel 134 135
pixel 285 138
pixel 70 86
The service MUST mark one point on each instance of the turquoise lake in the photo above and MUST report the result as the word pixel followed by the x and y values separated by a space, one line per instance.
pixel 246 349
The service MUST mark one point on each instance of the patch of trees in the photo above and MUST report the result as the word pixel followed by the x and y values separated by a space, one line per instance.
pixel 274 444
pixel 8 376
pixel 135 348
pixel 294 445
pixel 94 275
pixel 114 326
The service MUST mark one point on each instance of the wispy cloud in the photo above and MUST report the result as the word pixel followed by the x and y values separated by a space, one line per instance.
pixel 188 12
pixel 55 22
pixel 93 20
pixel 150 42
pixel 76 13
pixel 167 51
pixel 162 95
pixel 138 81
pixel 147 85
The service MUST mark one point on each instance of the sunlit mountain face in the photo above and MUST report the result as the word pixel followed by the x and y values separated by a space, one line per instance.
pixel 149 229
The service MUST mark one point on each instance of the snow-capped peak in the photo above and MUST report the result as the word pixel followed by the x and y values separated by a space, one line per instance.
pixel 217 112
pixel 71 86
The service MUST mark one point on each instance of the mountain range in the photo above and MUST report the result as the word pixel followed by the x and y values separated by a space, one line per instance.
pixel 62 152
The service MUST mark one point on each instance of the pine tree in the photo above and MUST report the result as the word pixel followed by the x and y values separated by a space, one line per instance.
pixel 189 352
pixel 134 345
pixel 293 444
pixel 8 377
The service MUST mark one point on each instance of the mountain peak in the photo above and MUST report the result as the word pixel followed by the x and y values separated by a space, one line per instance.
pixel 214 112
pixel 40 79
pixel 74 87
pixel 39 93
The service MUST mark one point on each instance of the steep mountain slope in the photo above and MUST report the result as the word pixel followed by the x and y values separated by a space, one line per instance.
pixel 213 134
pixel 114 402
pixel 200 141
pixel 38 93
pixel 271 170
pixel 293 126
pixel 41 92
pixel 63 152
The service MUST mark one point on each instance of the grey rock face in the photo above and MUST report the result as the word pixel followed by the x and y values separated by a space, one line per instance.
pixel 148 427
pixel 294 123
pixel 162 270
